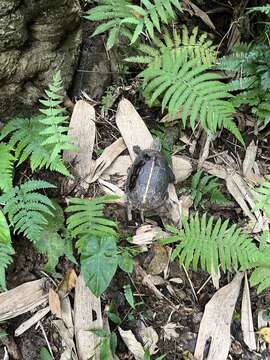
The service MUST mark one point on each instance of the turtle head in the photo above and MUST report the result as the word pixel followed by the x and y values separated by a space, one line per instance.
pixel 156 144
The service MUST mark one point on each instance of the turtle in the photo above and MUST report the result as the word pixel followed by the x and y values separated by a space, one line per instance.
pixel 148 180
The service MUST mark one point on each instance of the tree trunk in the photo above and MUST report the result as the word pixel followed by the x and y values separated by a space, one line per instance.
pixel 37 38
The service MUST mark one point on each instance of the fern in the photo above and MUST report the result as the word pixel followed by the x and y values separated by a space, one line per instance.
pixel 265 9
pixel 187 84
pixel 55 131
pixel 6 167
pixel 210 243
pixel 263 196
pixel 122 15
pixel 194 46
pixel 25 207
pixel 87 220
pixel 42 138
pixel 6 249
pixel 206 186
pixel 25 138
pixel 249 66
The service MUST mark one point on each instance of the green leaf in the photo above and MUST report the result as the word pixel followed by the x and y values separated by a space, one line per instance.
pixel 6 249
pixel 114 318
pixel 105 350
pixel 44 354
pixel 99 263
pixel 129 296
pixel 126 262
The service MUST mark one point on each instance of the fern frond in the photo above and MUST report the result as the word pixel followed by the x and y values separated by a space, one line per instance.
pixel 206 186
pixel 265 9
pixel 263 196
pixel 122 14
pixel 55 131
pixel 187 84
pixel 209 243
pixel 25 138
pixel 25 208
pixel 194 46
pixel 87 220
pixel 6 249
pixel 6 167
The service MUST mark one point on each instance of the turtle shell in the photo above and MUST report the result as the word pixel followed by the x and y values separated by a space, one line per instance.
pixel 148 180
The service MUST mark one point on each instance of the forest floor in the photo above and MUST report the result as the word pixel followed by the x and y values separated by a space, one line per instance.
pixel 173 305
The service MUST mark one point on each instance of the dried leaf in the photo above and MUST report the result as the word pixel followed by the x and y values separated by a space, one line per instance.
pixel 132 127
pixel 200 13
pixel 83 131
pixel 150 338
pixel 32 321
pixel 68 283
pixel 246 318
pixel 54 303
pixel 182 168
pixel 111 189
pixel 107 157
pixel 169 331
pixel 22 299
pixel 216 321
pixel 132 343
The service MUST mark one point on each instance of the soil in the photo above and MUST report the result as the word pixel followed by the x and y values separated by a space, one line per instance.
pixel 181 307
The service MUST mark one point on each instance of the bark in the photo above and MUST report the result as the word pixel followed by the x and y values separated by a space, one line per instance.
pixel 37 38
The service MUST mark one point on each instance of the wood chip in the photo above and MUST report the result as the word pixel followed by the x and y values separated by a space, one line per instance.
pixel 132 127
pixel 182 168
pixel 22 299
pixel 246 318
pixel 32 321
pixel 216 322
pixel 132 344
pixel 87 316
pixel 108 156
pixel 83 131
pixel 66 335
pixel 146 235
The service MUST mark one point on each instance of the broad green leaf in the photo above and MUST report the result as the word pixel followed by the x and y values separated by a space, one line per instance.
pixel 44 354
pixel 5 237
pixel 125 262
pixel 99 262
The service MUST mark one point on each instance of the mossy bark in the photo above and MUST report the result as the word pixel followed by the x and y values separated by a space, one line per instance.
pixel 37 38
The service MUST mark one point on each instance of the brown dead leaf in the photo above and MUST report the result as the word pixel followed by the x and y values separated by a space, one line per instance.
pixel 169 331
pixel 132 343
pixel 246 318
pixel 54 303
pixel 182 168
pixel 216 322
pixel 82 130
pixel 68 283
pixel 150 338
pixel 107 157
pixel 111 189
pixel 200 13
pixel 22 299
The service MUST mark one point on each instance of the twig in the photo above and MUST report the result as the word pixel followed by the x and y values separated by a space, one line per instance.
pixel 191 285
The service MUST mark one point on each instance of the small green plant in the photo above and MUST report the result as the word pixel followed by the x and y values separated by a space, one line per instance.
pixel 249 69
pixel 6 249
pixel 25 208
pixel 96 241
pixel 203 187
pixel 107 345
pixel 129 20
pixel 209 243
pixel 41 138
pixel 6 167
pixel 263 196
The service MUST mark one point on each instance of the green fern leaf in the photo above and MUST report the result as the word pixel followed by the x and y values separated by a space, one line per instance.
pixel 263 197
pixel 208 243
pixel 25 208
pixel 6 249
pixel 87 220
pixel 6 167
pixel 25 138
